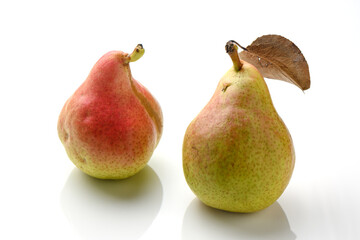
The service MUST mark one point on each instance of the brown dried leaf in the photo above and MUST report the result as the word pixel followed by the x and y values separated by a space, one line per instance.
pixel 278 58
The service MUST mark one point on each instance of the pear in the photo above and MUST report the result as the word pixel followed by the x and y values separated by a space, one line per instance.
pixel 238 155
pixel 112 124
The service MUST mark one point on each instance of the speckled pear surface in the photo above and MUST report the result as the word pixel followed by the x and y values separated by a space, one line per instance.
pixel 238 155
pixel 111 125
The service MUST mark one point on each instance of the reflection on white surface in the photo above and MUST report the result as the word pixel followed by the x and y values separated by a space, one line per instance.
pixel 203 222
pixel 112 209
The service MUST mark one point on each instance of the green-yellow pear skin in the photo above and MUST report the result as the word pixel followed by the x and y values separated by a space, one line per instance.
pixel 112 124
pixel 238 155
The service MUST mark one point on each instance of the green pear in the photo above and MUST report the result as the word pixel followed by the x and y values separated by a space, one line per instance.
pixel 238 155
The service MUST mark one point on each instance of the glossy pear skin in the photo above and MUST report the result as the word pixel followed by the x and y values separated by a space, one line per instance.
pixel 238 155
pixel 111 125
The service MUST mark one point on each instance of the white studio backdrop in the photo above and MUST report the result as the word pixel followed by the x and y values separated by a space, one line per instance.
pixel 47 48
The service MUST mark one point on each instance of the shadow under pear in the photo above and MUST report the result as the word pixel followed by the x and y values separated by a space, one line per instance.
pixel 112 209
pixel 203 222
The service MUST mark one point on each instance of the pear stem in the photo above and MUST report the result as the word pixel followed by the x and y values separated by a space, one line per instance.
pixel 232 49
pixel 137 53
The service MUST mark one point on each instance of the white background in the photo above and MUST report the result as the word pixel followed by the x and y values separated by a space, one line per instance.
pixel 47 48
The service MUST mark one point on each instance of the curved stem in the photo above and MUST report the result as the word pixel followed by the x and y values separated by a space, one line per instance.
pixel 232 49
pixel 239 45
pixel 136 54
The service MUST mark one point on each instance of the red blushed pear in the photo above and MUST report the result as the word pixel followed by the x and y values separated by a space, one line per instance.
pixel 112 124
